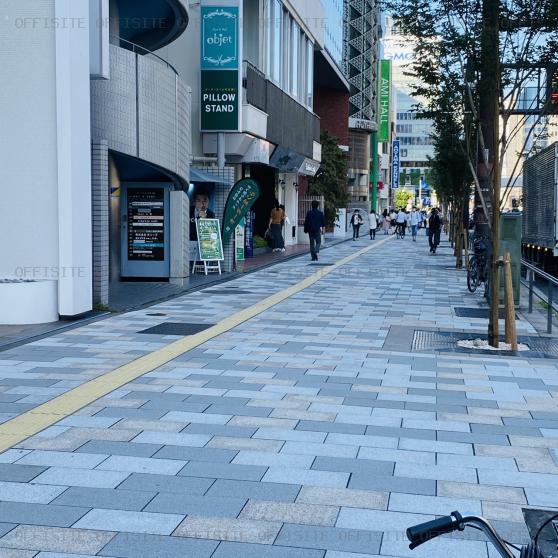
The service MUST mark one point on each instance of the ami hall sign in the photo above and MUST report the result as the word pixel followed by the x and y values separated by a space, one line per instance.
pixel 220 68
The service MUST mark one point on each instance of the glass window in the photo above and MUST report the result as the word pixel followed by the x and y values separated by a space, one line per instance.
pixel 295 57
pixel 268 37
pixel 277 26
pixel 285 77
pixel 309 74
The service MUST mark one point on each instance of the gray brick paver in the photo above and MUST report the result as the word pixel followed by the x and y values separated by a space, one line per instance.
pixel 279 440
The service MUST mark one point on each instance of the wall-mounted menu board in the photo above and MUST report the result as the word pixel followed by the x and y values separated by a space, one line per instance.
pixel 146 224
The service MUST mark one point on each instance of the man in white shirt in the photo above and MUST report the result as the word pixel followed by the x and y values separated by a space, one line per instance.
pixel 415 219
pixel 400 223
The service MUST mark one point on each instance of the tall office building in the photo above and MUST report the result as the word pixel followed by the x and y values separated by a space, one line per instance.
pixel 361 19
pixel 414 134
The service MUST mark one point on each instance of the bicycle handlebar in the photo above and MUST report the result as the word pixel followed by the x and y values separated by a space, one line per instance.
pixel 423 532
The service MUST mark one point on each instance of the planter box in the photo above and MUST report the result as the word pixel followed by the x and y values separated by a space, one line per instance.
pixel 28 302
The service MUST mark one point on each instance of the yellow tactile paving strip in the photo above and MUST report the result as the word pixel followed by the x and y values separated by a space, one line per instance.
pixel 31 422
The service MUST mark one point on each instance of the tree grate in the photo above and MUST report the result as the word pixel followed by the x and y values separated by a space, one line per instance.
pixel 446 341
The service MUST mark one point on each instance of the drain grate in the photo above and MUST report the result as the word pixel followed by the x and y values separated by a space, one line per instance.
pixel 435 340
pixel 463 312
pixel 230 291
pixel 320 264
pixel 176 328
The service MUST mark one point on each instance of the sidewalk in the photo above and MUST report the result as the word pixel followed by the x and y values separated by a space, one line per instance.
pixel 131 295
pixel 306 426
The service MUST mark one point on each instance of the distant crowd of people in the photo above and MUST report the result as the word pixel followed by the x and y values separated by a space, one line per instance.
pixel 398 222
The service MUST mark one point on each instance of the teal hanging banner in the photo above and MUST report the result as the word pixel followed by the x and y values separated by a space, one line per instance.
pixel 241 198
pixel 219 37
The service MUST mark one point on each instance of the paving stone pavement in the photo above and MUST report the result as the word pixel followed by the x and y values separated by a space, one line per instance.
pixel 296 434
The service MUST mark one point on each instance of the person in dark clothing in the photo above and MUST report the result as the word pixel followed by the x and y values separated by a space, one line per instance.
pixel 356 222
pixel 314 224
pixel 434 229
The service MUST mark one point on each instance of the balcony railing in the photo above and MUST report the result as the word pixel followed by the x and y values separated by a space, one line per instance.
pixel 138 49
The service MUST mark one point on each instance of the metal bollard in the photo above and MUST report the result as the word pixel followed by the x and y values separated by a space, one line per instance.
pixel 549 310
pixel 531 279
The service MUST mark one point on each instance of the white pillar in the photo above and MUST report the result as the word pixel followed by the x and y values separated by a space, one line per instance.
pixel 74 162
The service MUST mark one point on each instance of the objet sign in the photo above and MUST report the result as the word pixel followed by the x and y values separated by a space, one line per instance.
pixel 219 36
pixel 220 62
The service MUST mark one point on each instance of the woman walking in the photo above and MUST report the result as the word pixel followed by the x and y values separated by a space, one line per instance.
pixel 386 222
pixel 276 220
pixel 373 224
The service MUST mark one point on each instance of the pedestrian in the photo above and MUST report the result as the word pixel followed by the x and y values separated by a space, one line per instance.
pixel 434 228
pixel 400 222
pixel 276 219
pixel 393 220
pixel 286 221
pixel 314 224
pixel 414 218
pixel 386 222
pixel 356 222
pixel 373 224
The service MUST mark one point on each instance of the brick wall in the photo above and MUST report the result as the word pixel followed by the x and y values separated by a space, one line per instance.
pixel 332 106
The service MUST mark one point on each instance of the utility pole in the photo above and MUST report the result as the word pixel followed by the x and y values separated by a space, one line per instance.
pixel 488 165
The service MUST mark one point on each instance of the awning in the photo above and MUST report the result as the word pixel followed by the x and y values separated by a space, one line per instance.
pixel 199 176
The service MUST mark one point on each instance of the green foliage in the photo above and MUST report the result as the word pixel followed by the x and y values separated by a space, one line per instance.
pixel 330 180
pixel 402 198
pixel 260 242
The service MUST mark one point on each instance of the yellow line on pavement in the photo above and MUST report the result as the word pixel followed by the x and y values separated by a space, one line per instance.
pixel 31 422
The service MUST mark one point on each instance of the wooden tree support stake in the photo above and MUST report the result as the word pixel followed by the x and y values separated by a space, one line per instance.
pixel 511 334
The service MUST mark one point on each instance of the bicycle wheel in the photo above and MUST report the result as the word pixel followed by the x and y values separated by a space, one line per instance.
pixel 472 275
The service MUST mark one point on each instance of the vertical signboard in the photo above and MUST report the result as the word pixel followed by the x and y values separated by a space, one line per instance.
pixel 241 198
pixel 146 224
pixel 144 230
pixel 220 68
pixel 384 97
pixel 395 164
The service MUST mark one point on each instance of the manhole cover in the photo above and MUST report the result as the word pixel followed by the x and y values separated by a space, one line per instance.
pixel 176 328
pixel 463 312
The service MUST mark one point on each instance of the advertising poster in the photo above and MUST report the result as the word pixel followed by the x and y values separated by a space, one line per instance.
pixel 239 239
pixel 146 224
pixel 209 240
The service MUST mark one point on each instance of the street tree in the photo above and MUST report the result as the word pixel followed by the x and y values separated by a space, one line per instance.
pixel 402 198
pixel 331 179
pixel 486 55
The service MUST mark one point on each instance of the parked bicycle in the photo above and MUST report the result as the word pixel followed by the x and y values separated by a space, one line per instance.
pixel 423 532
pixel 477 269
